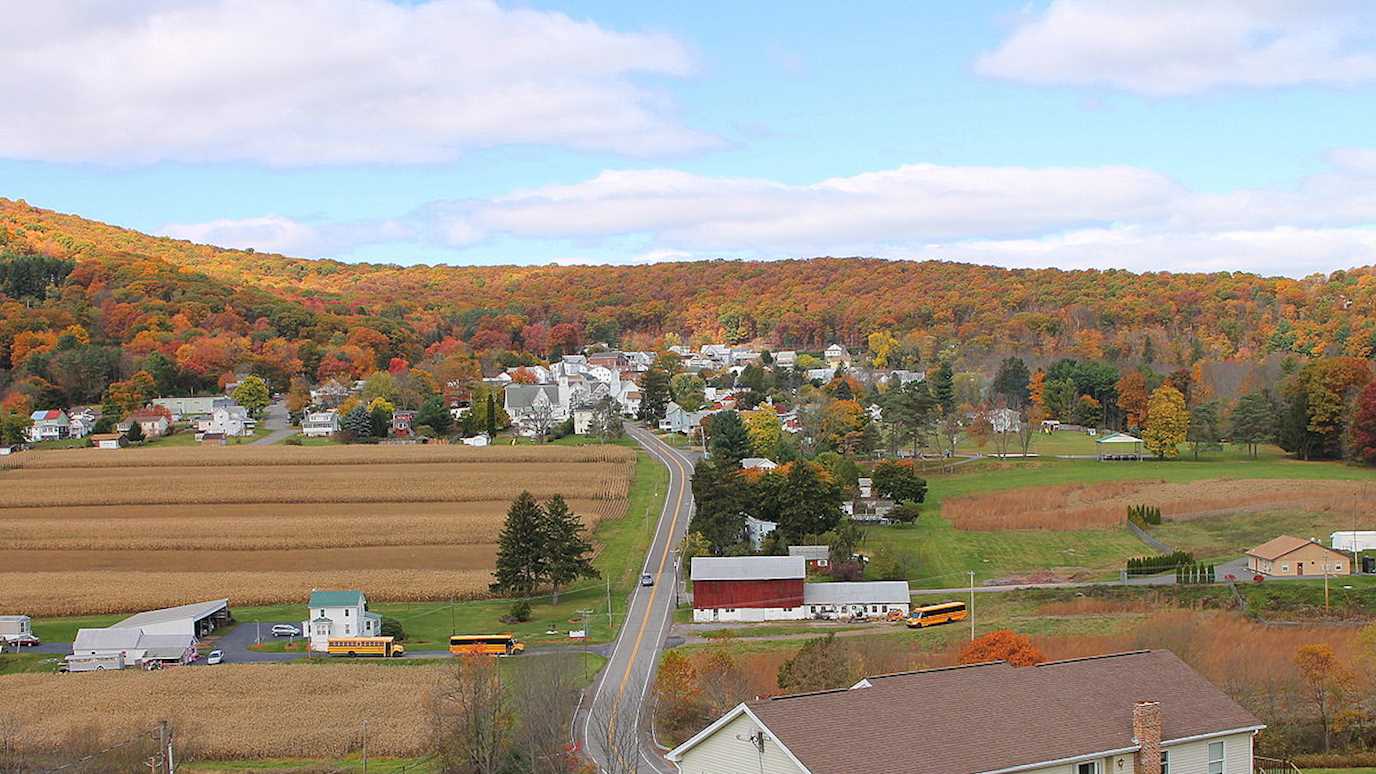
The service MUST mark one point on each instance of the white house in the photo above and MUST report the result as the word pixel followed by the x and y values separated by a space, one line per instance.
pixel 191 407
pixel 17 629
pixel 757 529
pixel 320 424
pixel 786 358
pixel 480 439
pixel 153 422
pixel 529 405
pixel 49 425
pixel 758 463
pixel 679 420
pixel 231 420
pixel 339 614
pixel 1143 712
pixel 870 599
pixel 82 422
pixel 819 374
pixel 836 356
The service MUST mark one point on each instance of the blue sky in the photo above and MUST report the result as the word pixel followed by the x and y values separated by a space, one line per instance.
pixel 1203 135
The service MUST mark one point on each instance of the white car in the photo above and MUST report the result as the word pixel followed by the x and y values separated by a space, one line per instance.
pixel 215 657
pixel 646 579
pixel 285 630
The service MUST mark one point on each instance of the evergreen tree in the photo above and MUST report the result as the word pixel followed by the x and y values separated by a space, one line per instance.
pixel 943 387
pixel 135 433
pixel 568 556
pixel 521 552
pixel 719 501
pixel 1253 421
pixel 911 410
pixel 491 416
pixel 843 390
pixel 1010 383
pixel 805 503
pixel 730 441
pixel 434 413
pixel 654 395
pixel 1204 431
pixel 357 422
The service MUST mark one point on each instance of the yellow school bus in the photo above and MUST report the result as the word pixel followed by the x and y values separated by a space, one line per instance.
pixel 931 615
pixel 365 646
pixel 485 645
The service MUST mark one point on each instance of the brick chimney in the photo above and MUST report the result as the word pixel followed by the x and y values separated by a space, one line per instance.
pixel 1146 731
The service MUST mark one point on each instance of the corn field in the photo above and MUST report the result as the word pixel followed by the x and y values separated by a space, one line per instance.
pixel 235 711
pixel 272 456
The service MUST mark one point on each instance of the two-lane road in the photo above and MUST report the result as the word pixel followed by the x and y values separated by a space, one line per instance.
pixel 614 722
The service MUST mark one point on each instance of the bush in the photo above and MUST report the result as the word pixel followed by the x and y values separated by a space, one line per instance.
pixel 905 512
pixel 293 441
pixel 391 627
pixel 846 571
pixel 1159 563
pixel 520 611
pixel 1144 515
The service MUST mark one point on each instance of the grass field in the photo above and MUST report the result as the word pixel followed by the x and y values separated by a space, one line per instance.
pixel 93 531
pixel 943 554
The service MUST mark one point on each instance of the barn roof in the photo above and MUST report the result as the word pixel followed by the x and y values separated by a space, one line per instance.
pixel 726 568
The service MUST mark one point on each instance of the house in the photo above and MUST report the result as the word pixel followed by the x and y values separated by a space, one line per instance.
pixel 83 421
pixel 533 406
pixel 679 420
pixel 154 422
pixel 229 419
pixel 108 440
pixel 871 599
pixel 817 556
pixel 1288 556
pixel 191 407
pixel 1144 712
pixel 49 425
pixel 836 356
pixel 480 439
pixel 628 397
pixel 320 424
pixel 403 424
pixel 17 629
pixel 339 614
pixel 330 394
pixel 1005 420
pixel 757 529
pixel 748 588
pixel 758 463
pixel 819 374
pixel 786 358
pixel 583 417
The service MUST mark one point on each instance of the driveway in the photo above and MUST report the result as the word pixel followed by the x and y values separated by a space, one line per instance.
pixel 276 419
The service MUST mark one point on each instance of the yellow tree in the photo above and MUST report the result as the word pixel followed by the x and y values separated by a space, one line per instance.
pixel 1327 682
pixel 765 430
pixel 1167 422
pixel 882 344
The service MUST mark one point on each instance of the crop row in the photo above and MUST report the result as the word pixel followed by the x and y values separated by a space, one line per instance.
pixel 272 456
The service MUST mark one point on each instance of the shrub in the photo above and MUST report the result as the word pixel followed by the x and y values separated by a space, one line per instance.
pixel 292 441
pixel 1144 515
pixel 905 512
pixel 391 627
pixel 520 611
pixel 1151 565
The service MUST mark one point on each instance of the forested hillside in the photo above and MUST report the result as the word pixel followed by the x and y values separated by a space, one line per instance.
pixel 85 304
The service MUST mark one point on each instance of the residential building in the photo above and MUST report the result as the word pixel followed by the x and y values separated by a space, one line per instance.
pixel 1005 420
pixel 677 419
pixel 818 557
pixel 1144 712
pixel 786 358
pixel 758 463
pixel 863 599
pixel 330 394
pixel 819 374
pixel 49 425
pixel 1288 556
pixel 229 419
pixel 836 356
pixel 629 398
pixel 339 614
pixel 531 405
pixel 16 629
pixel 320 424
pixel 583 417
pixel 403 424
pixel 748 588
pixel 82 421
pixel 154 422
pixel 757 529
pixel 198 407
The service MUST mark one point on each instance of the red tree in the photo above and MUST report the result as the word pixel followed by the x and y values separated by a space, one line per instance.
pixel 1002 645
pixel 1362 429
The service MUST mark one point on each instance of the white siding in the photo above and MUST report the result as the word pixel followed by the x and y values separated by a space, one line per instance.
pixel 708 615
pixel 1193 757
pixel 723 753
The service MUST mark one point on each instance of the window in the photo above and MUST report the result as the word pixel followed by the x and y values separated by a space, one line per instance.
pixel 1092 767
pixel 346 612
pixel 1215 758
pixel 1165 762
pixel 1285 568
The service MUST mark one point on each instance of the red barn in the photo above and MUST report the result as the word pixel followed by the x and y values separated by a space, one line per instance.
pixel 748 588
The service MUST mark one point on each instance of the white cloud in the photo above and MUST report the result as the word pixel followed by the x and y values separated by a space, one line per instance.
pixel 1109 216
pixel 1177 47
pixel 297 82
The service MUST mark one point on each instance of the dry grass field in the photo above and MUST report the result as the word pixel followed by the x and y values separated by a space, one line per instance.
pixel 1103 505
pixel 92 530
pixel 234 711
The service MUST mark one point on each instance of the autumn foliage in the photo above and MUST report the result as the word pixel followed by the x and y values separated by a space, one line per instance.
pixel 1001 645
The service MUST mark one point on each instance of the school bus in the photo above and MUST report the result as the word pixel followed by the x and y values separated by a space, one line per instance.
pixel 931 615
pixel 365 646
pixel 485 645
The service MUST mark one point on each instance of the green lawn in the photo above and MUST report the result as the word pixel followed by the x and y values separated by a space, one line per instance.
pixel 1219 538
pixel 311 441
pixel 942 555
pixel 18 663
pixel 623 542
pixel 288 765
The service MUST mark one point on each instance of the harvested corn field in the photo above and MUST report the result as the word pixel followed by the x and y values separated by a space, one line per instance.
pixel 234 711
pixel 1104 505
pixel 263 525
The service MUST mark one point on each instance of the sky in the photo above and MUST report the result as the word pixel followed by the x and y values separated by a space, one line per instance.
pixel 1200 135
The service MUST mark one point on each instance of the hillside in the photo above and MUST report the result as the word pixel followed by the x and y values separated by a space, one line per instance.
pixel 212 310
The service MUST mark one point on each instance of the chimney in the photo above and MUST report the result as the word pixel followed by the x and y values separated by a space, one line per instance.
pixel 1146 731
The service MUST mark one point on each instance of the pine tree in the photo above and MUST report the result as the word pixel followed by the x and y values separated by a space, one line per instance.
pixel 135 433
pixel 654 395
pixel 1253 421
pixel 491 416
pixel 1011 382
pixel 719 500
pixel 943 387
pixel 806 504
pixel 521 550
pixel 357 422
pixel 730 441
pixel 568 556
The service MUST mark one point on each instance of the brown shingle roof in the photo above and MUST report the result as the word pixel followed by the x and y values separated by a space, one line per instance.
pixel 1275 548
pixel 993 716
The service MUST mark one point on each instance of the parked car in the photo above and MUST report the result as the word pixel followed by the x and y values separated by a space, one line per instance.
pixel 215 657
pixel 646 579
pixel 285 630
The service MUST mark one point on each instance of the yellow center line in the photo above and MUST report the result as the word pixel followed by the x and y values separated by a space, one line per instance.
pixel 654 590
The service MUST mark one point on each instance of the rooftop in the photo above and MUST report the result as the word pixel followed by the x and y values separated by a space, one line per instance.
pixel 336 598
pixel 1277 547
pixel 858 593
pixel 720 568
pixel 195 612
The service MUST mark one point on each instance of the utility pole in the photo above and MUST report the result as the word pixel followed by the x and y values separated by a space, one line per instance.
pixel 165 748
pixel 1325 586
pixel 972 605
pixel 610 626
pixel 365 747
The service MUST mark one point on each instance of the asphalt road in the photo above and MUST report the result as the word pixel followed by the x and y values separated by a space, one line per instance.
pixel 276 419
pixel 618 705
